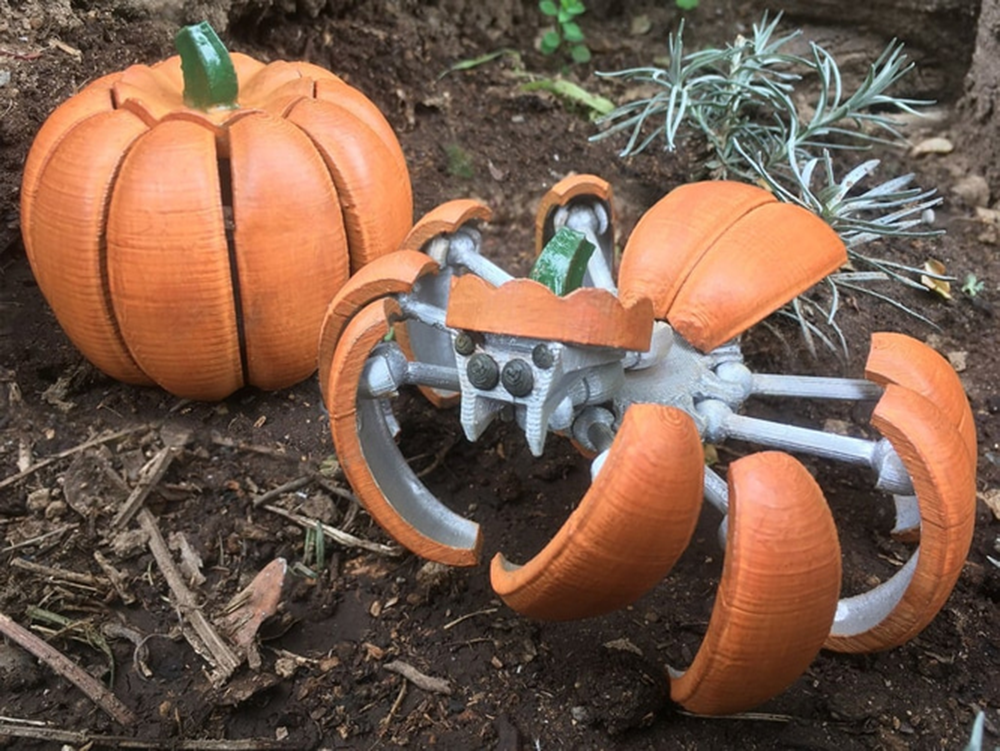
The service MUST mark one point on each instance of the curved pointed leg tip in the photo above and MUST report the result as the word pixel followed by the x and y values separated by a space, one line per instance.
pixel 778 594
pixel 627 532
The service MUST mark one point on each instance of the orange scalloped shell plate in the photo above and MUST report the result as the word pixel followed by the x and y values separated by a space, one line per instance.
pixel 523 307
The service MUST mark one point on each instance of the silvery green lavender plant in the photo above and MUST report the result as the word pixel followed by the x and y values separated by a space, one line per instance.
pixel 742 99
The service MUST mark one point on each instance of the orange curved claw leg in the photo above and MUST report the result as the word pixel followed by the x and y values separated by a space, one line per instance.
pixel 900 359
pixel 778 593
pixel 937 460
pixel 628 531
pixel 444 219
pixel 420 342
pixel 561 194
pixel 388 275
pixel 379 474
pixel 905 361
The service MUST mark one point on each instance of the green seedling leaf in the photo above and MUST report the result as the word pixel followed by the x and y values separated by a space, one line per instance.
pixel 570 92
pixel 972 285
pixel 687 4
pixel 460 162
pixel 571 32
pixel 580 53
pixel 548 7
pixel 475 62
pixel 550 42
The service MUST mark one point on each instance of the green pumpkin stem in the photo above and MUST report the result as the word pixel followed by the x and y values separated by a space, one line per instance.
pixel 209 76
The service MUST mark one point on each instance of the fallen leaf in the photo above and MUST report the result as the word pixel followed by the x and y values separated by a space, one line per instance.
pixel 253 605
pixel 940 286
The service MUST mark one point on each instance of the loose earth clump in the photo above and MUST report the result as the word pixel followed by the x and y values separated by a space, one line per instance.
pixel 370 646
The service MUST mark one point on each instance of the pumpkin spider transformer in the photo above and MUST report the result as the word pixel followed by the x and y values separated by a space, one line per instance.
pixel 640 371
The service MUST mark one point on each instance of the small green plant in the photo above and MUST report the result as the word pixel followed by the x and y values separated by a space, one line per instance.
pixel 973 286
pixel 741 106
pixel 567 30
pixel 460 162
pixel 687 4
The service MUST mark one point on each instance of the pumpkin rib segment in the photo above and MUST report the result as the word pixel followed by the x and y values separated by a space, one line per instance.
pixel 277 177
pixel 336 91
pixel 778 593
pixel 175 308
pixel 150 86
pixel 671 238
pixel 95 99
pixel 69 220
pixel 775 252
pixel 373 184
pixel 632 525
pixel 590 316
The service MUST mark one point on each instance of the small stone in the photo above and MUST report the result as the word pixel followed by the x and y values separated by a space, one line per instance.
pixel 640 25
pixel 55 510
pixel 958 360
pixel 38 500
pixel 579 714
pixel 973 189
pixel 935 145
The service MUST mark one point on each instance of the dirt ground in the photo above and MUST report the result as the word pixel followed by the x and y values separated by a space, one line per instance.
pixel 514 684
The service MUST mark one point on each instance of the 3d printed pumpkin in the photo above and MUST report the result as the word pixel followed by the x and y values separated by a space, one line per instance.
pixel 188 222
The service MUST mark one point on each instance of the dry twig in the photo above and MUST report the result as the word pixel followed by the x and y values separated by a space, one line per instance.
pixel 208 642
pixel 69 670
pixel 59 574
pixel 289 487
pixel 418 679
pixel 337 535
pixel 149 476
pixel 69 452
pixel 118 741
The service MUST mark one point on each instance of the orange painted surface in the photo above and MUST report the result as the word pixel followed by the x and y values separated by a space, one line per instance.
pixel 779 589
pixel 524 307
pixel 363 332
pixel 937 459
pixel 562 193
pixel 234 251
pixel 717 257
pixel 628 531
pixel 445 219
pixel 900 359
pixel 389 275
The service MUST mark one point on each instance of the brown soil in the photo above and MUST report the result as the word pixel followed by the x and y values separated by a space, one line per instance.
pixel 516 684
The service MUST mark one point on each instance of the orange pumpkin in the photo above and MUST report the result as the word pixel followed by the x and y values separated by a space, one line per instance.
pixel 188 222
